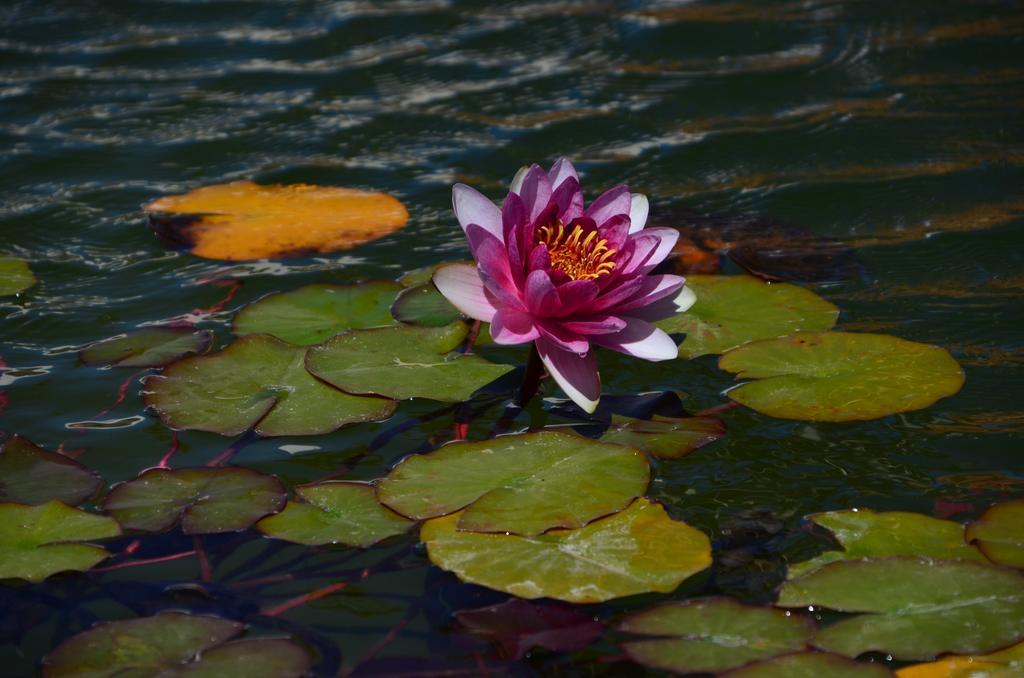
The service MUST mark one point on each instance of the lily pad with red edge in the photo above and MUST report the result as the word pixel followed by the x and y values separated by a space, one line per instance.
pixel 205 500
pixel 257 382
pixel 403 362
pixel 999 664
pixel 424 305
pixel 519 626
pixel 863 533
pixel 31 475
pixel 313 313
pixel 175 644
pixel 638 550
pixel 840 376
pixel 242 220
pixel 809 665
pixel 664 437
pixel 148 347
pixel 999 533
pixel 334 512
pixel 914 608
pixel 15 276
pixel 525 484
pixel 38 541
pixel 712 635
pixel 734 310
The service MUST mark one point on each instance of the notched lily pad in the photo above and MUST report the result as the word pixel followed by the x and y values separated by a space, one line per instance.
pixel 714 634
pixel 809 665
pixel 15 276
pixel 260 382
pixel 173 644
pixel 525 484
pixel 37 541
pixel 519 626
pixel 313 313
pixel 664 437
pixel 840 376
pixel 334 512
pixel 31 475
pixel 242 220
pixel 733 310
pixel 864 533
pixel 403 362
pixel 1002 664
pixel 999 533
pixel 205 500
pixel 916 608
pixel 424 305
pixel 638 550
pixel 148 347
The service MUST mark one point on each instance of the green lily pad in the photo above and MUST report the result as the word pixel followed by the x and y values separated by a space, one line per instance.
pixel 424 305
pixel 525 484
pixel 148 347
pixel 15 276
pixel 334 512
pixel 1001 664
pixel 638 550
pixel 31 475
pixel 732 310
pixel 403 362
pixel 664 437
pixel 173 644
pixel 809 665
pixel 37 541
pixel 918 608
pixel 866 534
pixel 206 500
pixel 840 376
pixel 999 533
pixel 260 382
pixel 711 635
pixel 313 313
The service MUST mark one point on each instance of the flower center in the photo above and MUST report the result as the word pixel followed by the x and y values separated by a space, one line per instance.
pixel 579 257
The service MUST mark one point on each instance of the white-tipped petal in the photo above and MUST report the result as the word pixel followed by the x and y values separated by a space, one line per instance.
pixel 576 374
pixel 685 299
pixel 638 209
pixel 517 180
pixel 473 207
pixel 461 285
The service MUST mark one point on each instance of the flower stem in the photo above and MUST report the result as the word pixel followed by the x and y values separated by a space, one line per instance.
pixel 531 379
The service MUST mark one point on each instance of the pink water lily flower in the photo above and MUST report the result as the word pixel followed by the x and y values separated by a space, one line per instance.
pixel 564 277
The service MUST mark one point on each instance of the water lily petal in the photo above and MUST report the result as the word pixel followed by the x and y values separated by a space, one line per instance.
pixel 653 288
pixel 666 307
pixel 611 203
pixel 638 209
pixel 576 294
pixel 473 207
pixel 461 285
pixel 640 339
pixel 577 375
pixel 513 218
pixel 615 231
pixel 603 324
pixel 651 247
pixel 561 336
pixel 513 327
pixel 517 181
pixel 617 293
pixel 569 200
pixel 536 191
pixel 562 170
pixel 541 296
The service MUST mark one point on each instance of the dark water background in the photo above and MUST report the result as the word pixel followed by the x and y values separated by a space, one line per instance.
pixel 895 127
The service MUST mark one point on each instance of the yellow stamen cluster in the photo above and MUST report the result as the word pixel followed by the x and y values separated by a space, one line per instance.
pixel 579 257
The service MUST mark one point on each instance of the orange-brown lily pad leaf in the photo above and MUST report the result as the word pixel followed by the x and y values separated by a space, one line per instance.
pixel 999 533
pixel 243 220
pixel 1001 664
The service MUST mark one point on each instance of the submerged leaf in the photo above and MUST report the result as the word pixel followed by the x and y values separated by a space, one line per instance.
pixel 917 608
pixel 518 626
pixel 1000 664
pixel 840 376
pixel 424 305
pixel 637 550
pixel 31 475
pixel 257 381
pixel 403 362
pixel 999 533
pixel 664 437
pixel 37 541
pixel 172 644
pixel 206 500
pixel 864 533
pixel 148 347
pixel 526 484
pixel 733 310
pixel 243 220
pixel 15 276
pixel 334 512
pixel 314 313
pixel 809 665
pixel 714 634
